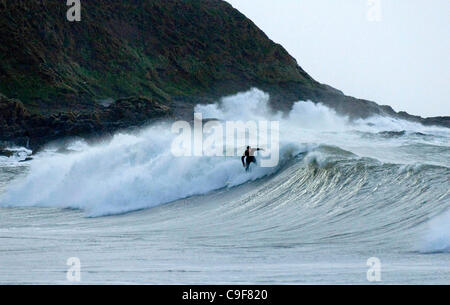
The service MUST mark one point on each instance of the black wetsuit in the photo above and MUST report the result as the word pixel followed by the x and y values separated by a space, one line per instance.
pixel 248 159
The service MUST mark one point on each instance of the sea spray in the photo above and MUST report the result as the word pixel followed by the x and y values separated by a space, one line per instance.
pixel 138 171
pixel 437 238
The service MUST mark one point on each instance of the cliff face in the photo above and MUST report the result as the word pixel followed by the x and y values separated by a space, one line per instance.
pixel 156 48
pixel 173 53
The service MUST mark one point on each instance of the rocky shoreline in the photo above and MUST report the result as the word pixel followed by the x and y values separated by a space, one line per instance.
pixel 18 127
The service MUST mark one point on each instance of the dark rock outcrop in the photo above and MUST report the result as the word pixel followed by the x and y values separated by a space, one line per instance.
pixel 19 127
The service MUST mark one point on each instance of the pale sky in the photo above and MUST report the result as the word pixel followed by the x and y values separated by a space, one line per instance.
pixel 397 55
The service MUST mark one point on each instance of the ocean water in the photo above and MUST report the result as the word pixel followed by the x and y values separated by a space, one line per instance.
pixel 343 192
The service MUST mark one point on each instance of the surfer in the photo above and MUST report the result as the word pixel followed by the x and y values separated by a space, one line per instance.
pixel 249 156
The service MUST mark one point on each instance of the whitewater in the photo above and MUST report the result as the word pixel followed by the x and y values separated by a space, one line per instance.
pixel 342 192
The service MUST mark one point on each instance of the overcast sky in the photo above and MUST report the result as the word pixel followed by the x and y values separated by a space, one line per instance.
pixel 394 52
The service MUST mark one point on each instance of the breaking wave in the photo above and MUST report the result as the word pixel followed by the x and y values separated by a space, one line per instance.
pixel 388 174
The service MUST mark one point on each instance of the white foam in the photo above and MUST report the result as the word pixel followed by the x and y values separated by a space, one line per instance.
pixel 17 154
pixel 437 238
pixel 129 173
pixel 136 171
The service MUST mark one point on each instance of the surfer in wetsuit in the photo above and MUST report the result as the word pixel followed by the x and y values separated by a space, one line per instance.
pixel 249 156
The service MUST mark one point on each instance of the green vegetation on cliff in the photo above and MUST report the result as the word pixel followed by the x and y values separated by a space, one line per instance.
pixel 157 48
pixel 154 58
